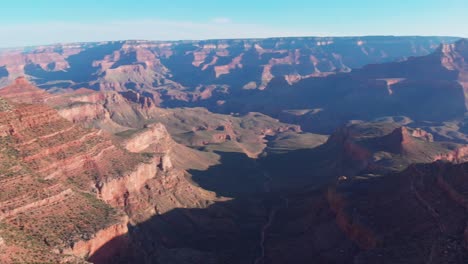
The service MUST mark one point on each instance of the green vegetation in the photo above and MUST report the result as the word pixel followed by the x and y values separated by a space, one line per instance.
pixel 290 141
pixel 4 105
pixel 73 104
pixel 127 133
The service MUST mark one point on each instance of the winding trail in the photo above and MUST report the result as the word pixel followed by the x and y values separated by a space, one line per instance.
pixel 435 215
pixel 271 216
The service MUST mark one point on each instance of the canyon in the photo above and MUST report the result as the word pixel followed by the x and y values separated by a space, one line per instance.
pixel 197 70
pixel 285 150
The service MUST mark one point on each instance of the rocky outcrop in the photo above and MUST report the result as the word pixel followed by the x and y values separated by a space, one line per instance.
pixel 231 72
pixel 153 138
pixel 144 64
pixel 15 61
pixel 76 189
pixel 381 147
pixel 458 155
pixel 401 140
pixel 419 133
pixel 67 189
pixel 12 208
pixel 87 248
pixel 23 91
pixel 133 116
pixel 111 111
pixel 367 93
pixel 428 215
pixel 45 176
pixel 114 191
pixel 454 56
pixel 225 69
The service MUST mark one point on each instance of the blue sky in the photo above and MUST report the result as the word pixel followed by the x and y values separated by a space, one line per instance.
pixel 35 22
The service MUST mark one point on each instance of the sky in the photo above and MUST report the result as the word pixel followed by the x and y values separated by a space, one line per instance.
pixel 38 22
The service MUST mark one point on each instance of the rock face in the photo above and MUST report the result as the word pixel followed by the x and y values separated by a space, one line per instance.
pixel 109 177
pixel 146 65
pixel 22 90
pixel 43 170
pixel 85 248
pixel 240 76
pixel 110 111
pixel 68 190
pixel 154 138
pixel 359 148
pixel 408 217
pixel 436 81
pixel 429 195
pixel 389 146
pixel 128 113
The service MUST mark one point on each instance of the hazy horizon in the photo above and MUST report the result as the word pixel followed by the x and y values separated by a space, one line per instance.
pixel 33 23
pixel 215 39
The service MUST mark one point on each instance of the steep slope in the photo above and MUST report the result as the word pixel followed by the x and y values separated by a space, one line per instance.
pixel 126 113
pixel 429 217
pixel 68 190
pixel 382 147
pixel 47 201
pixel 376 147
pixel 211 64
pixel 373 148
pixel 428 88
pixel 415 216
pixel 147 187
pixel 22 90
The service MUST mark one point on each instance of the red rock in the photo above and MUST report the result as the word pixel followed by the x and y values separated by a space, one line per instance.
pixel 23 91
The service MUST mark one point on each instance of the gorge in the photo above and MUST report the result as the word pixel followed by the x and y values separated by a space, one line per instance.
pixel 283 150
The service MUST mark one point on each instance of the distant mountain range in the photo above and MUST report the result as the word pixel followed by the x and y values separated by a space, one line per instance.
pixel 287 150
pixel 205 65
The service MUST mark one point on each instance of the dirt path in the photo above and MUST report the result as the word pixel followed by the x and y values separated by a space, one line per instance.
pixel 425 203
pixel 435 215
pixel 271 216
pixel 266 226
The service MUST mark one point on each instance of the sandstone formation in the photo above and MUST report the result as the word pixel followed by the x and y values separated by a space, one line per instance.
pixel 95 170
pixel 436 81
pixel 126 113
pixel 165 66
pixel 360 148
pixel 22 90
pixel 72 190
pixel 429 195
pixel 412 216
